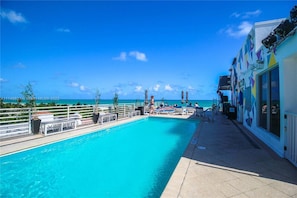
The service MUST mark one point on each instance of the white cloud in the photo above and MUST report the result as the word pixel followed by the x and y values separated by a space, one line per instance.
pixel 12 16
pixel 20 66
pixel 138 55
pixel 235 14
pixel 3 80
pixel 251 14
pixel 246 15
pixel 244 27
pixel 122 57
pixel 138 88
pixel 119 90
pixel 79 86
pixel 74 84
pixel 82 88
pixel 156 87
pixel 191 88
pixel 168 88
pixel 242 30
pixel 64 30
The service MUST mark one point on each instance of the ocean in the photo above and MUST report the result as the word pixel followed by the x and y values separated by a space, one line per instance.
pixel 202 103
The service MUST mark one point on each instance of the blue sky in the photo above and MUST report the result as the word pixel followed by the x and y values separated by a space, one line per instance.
pixel 69 49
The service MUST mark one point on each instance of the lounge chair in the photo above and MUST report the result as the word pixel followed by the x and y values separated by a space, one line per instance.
pixel 190 109
pixel 165 110
pixel 180 111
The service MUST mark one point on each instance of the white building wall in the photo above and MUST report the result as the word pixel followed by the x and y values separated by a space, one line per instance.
pixel 284 56
pixel 263 29
pixel 287 54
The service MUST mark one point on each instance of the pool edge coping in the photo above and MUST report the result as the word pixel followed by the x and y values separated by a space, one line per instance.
pixel 27 143
pixel 175 183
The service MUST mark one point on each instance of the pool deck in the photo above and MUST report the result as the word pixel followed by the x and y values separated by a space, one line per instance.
pixel 15 144
pixel 223 159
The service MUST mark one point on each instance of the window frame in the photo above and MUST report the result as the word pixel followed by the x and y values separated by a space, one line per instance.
pixel 268 99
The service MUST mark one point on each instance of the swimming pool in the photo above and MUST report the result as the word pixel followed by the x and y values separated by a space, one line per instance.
pixel 130 160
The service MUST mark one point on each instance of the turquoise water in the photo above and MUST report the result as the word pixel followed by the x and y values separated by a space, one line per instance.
pixel 131 160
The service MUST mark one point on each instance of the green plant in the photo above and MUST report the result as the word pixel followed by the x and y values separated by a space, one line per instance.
pixel 30 99
pixel 1 102
pixel 29 95
pixel 146 97
pixel 97 101
pixel 19 100
pixel 115 101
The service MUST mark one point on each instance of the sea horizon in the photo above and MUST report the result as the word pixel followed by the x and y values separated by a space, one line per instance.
pixel 203 103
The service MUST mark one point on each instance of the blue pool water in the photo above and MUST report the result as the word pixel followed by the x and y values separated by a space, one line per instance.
pixel 131 160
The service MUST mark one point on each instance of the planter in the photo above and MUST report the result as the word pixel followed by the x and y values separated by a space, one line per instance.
pixel 141 109
pixel 35 125
pixel 95 117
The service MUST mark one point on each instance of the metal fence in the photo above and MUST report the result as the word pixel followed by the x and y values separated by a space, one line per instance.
pixel 14 121
pixel 17 121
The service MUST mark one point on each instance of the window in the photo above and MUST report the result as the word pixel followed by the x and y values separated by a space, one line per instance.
pixel 269 101
pixel 263 100
pixel 274 102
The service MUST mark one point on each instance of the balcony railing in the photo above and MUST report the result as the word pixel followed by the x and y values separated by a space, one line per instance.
pixel 17 121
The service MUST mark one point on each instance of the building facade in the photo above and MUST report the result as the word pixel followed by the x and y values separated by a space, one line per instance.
pixel 264 84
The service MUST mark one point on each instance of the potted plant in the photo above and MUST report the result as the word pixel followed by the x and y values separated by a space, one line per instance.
pixel 31 102
pixel 115 103
pixel 35 125
pixel 96 109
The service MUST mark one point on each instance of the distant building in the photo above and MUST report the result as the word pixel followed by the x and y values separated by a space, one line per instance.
pixel 264 84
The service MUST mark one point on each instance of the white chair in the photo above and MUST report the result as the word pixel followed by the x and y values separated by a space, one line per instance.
pixel 180 111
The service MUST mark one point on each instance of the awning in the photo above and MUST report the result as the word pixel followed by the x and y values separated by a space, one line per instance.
pixel 224 83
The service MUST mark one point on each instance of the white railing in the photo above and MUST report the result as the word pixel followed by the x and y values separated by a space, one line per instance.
pixel 134 113
pixel 14 121
pixel 17 121
pixel 291 137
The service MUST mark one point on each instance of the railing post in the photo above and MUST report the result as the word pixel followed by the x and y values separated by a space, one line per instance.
pixel 68 112
pixel 29 120
pixel 124 110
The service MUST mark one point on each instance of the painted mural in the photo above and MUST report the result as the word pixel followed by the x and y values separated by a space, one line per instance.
pixel 262 77
pixel 244 69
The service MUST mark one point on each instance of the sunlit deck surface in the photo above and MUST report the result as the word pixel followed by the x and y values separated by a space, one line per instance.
pixel 223 159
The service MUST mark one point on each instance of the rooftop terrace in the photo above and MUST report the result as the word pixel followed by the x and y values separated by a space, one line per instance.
pixel 223 160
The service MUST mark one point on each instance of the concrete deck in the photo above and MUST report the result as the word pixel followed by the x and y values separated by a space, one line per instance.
pixel 15 144
pixel 224 159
